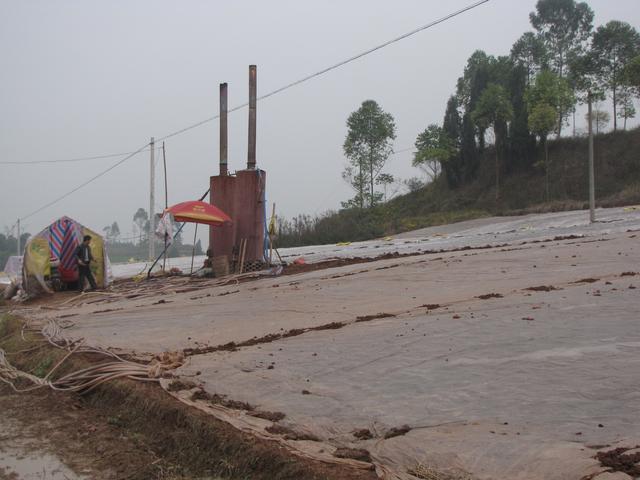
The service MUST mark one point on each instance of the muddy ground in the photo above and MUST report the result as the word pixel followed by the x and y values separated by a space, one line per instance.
pixel 56 436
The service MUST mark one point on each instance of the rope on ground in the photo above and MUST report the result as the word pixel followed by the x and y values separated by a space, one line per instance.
pixel 87 379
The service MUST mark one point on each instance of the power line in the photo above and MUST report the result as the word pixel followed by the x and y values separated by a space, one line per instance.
pixel 65 160
pixel 332 67
pixel 95 177
pixel 395 152
pixel 267 95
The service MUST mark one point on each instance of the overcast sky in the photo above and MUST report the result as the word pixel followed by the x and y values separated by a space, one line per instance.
pixel 83 78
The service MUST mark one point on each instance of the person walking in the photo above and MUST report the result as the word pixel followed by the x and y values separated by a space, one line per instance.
pixel 84 257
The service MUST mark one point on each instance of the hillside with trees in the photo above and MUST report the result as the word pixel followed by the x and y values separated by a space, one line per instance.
pixel 508 141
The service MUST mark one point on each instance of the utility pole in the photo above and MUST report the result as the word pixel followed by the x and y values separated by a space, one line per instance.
pixel 166 204
pixel 19 249
pixel 592 189
pixel 152 215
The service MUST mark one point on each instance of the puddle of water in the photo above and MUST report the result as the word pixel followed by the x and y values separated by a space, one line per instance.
pixel 18 465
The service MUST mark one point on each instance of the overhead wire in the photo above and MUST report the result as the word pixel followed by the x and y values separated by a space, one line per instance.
pixel 332 67
pixel 395 152
pixel 267 95
pixel 87 182
pixel 69 160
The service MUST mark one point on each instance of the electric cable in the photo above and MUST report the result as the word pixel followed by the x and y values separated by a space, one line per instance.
pixel 262 97
pixel 332 67
pixel 87 182
pixel 69 160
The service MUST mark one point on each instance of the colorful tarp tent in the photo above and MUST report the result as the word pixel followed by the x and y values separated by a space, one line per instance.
pixel 49 256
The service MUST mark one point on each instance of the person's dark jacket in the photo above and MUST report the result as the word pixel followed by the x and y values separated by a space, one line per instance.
pixel 83 252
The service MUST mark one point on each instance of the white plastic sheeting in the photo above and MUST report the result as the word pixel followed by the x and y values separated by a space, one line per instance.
pixel 473 233
pixel 13 270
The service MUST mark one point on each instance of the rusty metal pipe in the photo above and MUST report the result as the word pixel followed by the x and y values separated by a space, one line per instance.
pixel 223 129
pixel 251 152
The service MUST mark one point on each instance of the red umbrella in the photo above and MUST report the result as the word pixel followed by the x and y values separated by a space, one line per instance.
pixel 198 212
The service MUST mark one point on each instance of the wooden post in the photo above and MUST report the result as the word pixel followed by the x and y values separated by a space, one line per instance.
pixel 152 199
pixel 166 204
pixel 273 214
pixel 193 250
pixel 18 239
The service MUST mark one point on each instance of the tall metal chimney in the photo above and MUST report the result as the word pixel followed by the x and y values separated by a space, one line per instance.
pixel 223 129
pixel 251 152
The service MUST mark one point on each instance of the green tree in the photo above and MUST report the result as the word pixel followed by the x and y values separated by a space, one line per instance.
pixel 565 27
pixel 115 231
pixel 413 184
pixel 551 90
pixel 385 179
pixel 469 158
pixel 199 250
pixel 521 142
pixel 140 219
pixel 530 52
pixel 542 120
pixel 631 75
pixel 368 145
pixel 434 149
pixel 459 166
pixel 627 108
pixel 494 110
pixel 476 77
pixel 614 46
pixel 600 119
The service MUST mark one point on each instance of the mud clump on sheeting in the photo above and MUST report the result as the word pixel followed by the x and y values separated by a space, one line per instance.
pixel 431 306
pixel 107 310
pixel 388 267
pixel 271 416
pixel 217 399
pixel 290 434
pixel 542 288
pixel 397 431
pixel 178 385
pixel 628 274
pixel 363 434
pixel 271 337
pixel 293 269
pixel 328 326
pixel 487 296
pixel 427 472
pixel 567 237
pixel 617 461
pixel 354 453
pixel 587 280
pixel 368 318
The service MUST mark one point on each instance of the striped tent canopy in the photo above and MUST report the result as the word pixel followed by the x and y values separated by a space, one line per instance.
pixel 64 237
pixel 53 252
